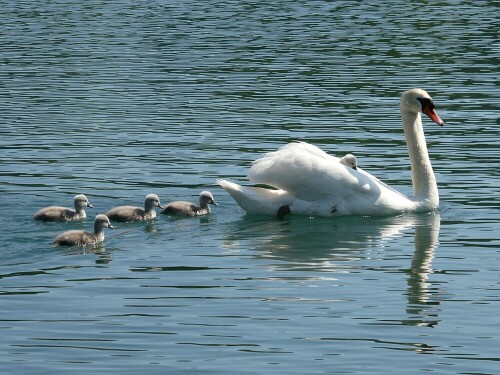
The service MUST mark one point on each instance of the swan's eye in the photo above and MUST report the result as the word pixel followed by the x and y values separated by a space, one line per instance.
pixel 426 103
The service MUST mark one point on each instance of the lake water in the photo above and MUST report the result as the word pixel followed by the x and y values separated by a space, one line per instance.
pixel 120 99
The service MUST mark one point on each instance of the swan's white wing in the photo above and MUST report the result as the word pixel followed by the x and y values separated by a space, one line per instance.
pixel 307 173
pixel 303 147
pixel 382 184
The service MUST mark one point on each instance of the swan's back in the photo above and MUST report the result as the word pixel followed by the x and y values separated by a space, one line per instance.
pixel 337 188
pixel 295 165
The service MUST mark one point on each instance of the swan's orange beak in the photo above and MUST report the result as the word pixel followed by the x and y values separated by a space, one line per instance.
pixel 431 112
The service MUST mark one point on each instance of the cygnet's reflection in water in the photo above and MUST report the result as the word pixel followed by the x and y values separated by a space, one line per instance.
pixel 103 254
pixel 352 244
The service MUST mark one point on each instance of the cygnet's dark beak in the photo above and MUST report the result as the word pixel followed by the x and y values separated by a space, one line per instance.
pixel 160 206
pixel 89 205
pixel 110 226
pixel 213 202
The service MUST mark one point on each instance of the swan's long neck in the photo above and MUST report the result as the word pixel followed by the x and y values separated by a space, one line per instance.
pixel 98 229
pixel 425 192
pixel 204 205
pixel 149 206
pixel 78 207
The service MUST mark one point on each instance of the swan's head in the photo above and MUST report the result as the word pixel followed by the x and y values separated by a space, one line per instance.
pixel 206 197
pixel 81 201
pixel 152 200
pixel 418 100
pixel 102 221
pixel 349 161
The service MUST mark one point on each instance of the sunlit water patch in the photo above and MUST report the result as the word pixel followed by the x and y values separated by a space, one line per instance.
pixel 120 100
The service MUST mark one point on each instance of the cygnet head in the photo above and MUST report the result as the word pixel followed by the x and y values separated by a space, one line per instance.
pixel 102 221
pixel 418 100
pixel 349 160
pixel 206 198
pixel 81 201
pixel 152 201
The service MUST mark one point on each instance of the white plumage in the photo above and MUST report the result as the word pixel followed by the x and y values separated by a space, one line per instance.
pixel 311 182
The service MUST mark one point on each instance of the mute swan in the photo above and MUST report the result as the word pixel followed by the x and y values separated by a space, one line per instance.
pixel 81 237
pixel 132 213
pixel 56 213
pixel 349 160
pixel 308 181
pixel 191 209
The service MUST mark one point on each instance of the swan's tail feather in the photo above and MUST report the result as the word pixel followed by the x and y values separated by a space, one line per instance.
pixel 255 200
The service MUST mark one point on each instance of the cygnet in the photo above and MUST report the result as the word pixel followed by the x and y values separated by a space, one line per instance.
pixel 57 213
pixel 349 161
pixel 81 237
pixel 191 209
pixel 133 213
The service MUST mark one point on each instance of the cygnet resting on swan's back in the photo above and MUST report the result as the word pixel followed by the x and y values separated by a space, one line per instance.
pixel 349 160
pixel 310 182
pixel 57 213
pixel 81 237
pixel 133 213
pixel 191 209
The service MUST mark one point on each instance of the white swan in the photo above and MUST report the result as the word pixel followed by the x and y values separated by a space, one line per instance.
pixel 308 181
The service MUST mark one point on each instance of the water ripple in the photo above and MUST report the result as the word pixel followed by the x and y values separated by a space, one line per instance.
pixel 121 99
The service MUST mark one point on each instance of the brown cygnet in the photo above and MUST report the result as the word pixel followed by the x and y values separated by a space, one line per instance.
pixel 57 213
pixel 191 209
pixel 133 213
pixel 81 237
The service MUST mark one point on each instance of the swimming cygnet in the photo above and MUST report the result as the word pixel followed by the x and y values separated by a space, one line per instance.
pixel 56 213
pixel 132 213
pixel 81 237
pixel 191 209
pixel 349 161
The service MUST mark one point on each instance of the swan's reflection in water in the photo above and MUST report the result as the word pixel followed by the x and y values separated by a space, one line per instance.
pixel 352 244
pixel 422 301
